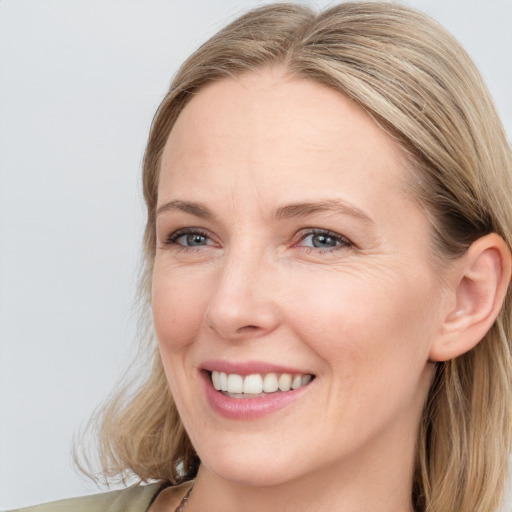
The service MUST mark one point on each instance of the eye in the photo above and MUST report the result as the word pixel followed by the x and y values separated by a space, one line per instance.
pixel 190 237
pixel 192 240
pixel 323 239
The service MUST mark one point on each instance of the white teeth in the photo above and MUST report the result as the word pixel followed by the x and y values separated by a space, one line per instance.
pixel 216 380
pixel 256 383
pixel 270 383
pixel 297 382
pixel 253 384
pixel 223 381
pixel 306 379
pixel 285 382
pixel 235 383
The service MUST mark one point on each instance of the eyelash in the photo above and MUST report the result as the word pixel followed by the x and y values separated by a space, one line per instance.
pixel 342 241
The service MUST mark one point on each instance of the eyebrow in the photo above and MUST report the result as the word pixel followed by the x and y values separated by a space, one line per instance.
pixel 329 206
pixel 284 212
pixel 196 209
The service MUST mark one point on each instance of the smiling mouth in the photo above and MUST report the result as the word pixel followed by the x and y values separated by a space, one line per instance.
pixel 257 385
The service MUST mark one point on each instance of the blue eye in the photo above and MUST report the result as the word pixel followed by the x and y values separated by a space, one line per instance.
pixel 192 240
pixel 321 239
pixel 189 238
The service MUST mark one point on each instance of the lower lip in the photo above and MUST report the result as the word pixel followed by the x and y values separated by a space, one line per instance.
pixel 248 408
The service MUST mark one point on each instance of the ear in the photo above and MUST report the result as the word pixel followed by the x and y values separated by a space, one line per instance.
pixel 478 285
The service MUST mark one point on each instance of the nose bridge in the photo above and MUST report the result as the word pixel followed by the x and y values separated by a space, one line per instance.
pixel 242 304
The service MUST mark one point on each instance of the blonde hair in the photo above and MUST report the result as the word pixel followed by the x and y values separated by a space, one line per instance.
pixel 420 85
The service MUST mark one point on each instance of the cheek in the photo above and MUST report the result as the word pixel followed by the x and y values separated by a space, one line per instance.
pixel 365 325
pixel 179 300
pixel 373 341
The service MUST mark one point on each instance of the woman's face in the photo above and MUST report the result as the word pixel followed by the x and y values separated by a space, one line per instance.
pixel 290 250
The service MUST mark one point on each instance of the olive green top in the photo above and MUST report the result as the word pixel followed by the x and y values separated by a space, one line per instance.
pixel 136 498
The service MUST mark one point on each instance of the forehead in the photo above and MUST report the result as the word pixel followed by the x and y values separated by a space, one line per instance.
pixel 290 133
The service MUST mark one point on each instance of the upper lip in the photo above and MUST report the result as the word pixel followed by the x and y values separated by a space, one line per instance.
pixel 249 367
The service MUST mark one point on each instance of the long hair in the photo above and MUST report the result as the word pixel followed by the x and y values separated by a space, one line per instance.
pixel 416 81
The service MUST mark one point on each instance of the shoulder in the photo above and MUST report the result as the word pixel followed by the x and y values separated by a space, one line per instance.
pixel 171 497
pixel 136 498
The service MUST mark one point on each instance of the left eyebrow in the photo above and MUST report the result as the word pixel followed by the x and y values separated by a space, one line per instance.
pixel 329 206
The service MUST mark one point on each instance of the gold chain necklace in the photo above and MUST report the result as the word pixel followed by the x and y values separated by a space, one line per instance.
pixel 184 500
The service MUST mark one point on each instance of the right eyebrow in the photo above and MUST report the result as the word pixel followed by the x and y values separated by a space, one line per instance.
pixel 196 209
pixel 329 205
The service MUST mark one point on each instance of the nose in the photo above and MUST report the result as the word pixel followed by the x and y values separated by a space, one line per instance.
pixel 243 305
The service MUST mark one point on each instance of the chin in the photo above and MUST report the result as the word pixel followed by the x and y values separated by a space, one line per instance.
pixel 261 466
pixel 245 474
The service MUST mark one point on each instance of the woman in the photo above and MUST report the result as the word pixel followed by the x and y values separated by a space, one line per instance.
pixel 327 264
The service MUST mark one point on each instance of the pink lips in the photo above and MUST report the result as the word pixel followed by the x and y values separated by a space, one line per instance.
pixel 246 368
pixel 247 408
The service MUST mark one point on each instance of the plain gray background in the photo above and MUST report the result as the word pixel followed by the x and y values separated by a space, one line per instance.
pixel 79 82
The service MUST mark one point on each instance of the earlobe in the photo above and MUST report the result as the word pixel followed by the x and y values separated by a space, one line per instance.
pixel 479 285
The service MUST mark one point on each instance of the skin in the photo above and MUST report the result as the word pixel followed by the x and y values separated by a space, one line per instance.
pixel 362 315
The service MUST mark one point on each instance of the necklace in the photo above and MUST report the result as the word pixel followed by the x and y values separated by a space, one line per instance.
pixel 183 502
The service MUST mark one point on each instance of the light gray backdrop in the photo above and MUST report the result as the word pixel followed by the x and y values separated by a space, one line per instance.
pixel 79 82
